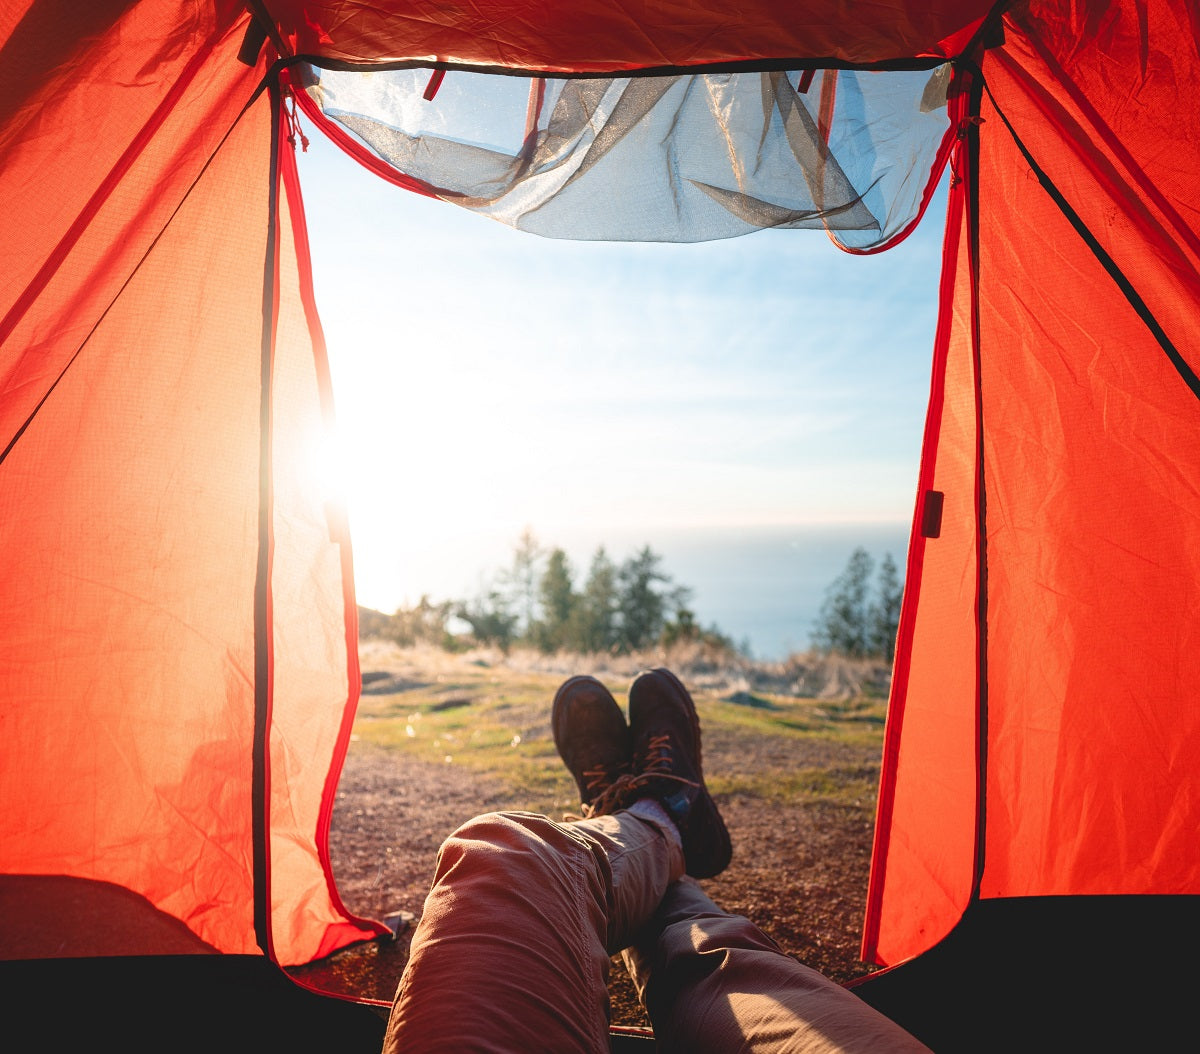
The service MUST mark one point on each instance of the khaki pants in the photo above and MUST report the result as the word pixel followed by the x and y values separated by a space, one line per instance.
pixel 513 950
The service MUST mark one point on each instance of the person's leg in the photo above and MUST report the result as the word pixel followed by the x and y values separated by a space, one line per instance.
pixel 712 981
pixel 513 948
pixel 512 951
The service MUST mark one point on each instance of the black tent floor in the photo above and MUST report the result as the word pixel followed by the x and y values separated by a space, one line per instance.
pixel 215 1003
pixel 73 977
pixel 1053 974
pixel 220 1004
pixel 1037 974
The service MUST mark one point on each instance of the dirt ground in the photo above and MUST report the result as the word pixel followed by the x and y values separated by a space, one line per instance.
pixel 799 873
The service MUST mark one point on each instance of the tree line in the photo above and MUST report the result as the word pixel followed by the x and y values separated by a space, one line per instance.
pixel 537 602
pixel 618 608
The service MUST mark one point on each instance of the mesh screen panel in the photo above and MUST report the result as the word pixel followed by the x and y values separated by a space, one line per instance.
pixel 669 159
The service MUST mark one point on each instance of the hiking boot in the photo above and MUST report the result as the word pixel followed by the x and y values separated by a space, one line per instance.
pixel 592 738
pixel 666 749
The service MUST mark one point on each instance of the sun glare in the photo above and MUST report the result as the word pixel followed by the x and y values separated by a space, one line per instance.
pixel 487 380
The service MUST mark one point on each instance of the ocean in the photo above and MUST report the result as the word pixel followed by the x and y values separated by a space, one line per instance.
pixel 760 586
pixel 763 587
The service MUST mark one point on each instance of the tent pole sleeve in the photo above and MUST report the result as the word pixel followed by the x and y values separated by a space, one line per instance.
pixel 972 133
pixel 260 792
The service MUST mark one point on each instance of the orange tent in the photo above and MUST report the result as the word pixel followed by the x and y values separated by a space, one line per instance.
pixel 178 665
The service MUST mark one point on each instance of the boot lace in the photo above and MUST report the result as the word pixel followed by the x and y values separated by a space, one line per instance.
pixel 598 783
pixel 652 767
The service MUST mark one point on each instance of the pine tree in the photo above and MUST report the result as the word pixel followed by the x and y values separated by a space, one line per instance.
pixel 593 623
pixel 521 581
pixel 556 594
pixel 885 611
pixel 844 623
pixel 646 596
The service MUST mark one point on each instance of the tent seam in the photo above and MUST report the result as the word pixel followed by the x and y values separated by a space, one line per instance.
pixel 5 328
pixel 973 147
pixel 1120 279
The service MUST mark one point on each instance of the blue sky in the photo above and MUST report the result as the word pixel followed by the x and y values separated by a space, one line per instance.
pixel 488 380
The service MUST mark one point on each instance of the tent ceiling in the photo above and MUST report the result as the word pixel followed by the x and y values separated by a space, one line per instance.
pixel 598 36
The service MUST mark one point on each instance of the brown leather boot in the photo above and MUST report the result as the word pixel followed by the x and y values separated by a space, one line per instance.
pixel 591 737
pixel 666 766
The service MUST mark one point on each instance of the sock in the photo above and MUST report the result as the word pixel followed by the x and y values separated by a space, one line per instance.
pixel 650 809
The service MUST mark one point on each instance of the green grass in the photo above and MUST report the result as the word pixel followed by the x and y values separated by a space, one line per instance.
pixel 496 722
pixel 857 720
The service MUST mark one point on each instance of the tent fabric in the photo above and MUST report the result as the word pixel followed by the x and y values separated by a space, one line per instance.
pixel 601 37
pixel 177 634
pixel 854 153
pixel 315 671
pixel 96 182
pixel 133 326
pixel 922 868
pixel 1088 484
